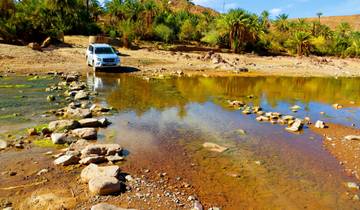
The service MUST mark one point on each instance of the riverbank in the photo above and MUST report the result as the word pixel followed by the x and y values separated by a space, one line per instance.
pixel 150 61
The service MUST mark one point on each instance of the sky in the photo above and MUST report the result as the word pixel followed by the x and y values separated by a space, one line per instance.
pixel 294 8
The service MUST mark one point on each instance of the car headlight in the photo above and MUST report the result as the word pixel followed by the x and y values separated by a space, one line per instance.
pixel 98 59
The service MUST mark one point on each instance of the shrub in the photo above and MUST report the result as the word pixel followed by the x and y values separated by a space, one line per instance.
pixel 164 32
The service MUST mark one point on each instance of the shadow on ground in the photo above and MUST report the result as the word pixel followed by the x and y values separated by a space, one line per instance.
pixel 119 69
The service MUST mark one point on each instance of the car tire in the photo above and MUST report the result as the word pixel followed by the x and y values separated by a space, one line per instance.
pixel 87 61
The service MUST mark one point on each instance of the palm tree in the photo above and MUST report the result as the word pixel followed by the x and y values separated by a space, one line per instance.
pixel 319 14
pixel 301 41
pixel 265 21
pixel 241 27
pixel 282 22
pixel 63 6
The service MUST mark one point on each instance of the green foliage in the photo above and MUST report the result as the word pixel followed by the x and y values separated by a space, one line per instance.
pixel 164 32
pixel 238 30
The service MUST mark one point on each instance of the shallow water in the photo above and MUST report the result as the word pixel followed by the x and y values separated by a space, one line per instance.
pixel 268 168
pixel 23 101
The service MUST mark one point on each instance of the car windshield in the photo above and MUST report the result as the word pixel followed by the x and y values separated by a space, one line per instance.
pixel 104 50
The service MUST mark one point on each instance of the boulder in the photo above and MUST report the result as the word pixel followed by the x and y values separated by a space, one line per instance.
pixel 105 206
pixel 295 126
pixel 58 138
pixel 63 124
pixel 46 42
pixel 66 160
pixel 114 158
pixel 90 122
pixel 214 147
pixel 3 144
pixel 78 145
pixel 262 118
pixel 104 122
pixel 104 185
pixel 101 149
pixel 32 132
pixel 352 137
pixel 34 46
pixel 92 171
pixel 81 95
pixel 99 108
pixel 78 113
pixel 92 159
pixel 85 133
pixel 320 124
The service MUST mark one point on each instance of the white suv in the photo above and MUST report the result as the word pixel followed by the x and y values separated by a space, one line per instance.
pixel 101 56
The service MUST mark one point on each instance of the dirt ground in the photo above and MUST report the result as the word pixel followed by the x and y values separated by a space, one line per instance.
pixel 149 61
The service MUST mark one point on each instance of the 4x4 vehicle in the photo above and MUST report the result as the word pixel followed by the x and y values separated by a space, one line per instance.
pixel 102 56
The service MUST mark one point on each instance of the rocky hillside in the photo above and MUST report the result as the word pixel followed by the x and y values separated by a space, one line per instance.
pixel 178 5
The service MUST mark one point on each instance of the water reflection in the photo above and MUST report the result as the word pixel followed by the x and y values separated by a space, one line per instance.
pixel 314 95
pixel 158 116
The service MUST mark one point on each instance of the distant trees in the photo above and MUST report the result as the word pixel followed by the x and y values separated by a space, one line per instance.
pixel 131 20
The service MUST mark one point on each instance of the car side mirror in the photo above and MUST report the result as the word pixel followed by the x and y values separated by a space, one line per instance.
pixel 118 53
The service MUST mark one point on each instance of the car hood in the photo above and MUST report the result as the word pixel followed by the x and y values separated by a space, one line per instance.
pixel 106 56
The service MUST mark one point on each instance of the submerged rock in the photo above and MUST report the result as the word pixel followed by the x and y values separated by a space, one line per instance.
pixel 214 147
pixel 337 106
pixel 104 185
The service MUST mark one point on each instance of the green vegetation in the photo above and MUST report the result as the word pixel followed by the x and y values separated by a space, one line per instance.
pixel 133 20
pixel 47 143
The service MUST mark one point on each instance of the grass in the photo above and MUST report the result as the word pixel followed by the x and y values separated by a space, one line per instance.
pixel 47 143
pixel 8 116
pixel 40 78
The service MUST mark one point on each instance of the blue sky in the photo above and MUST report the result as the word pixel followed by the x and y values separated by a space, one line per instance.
pixel 294 8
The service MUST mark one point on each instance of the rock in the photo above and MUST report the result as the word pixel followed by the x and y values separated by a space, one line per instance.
pixel 262 118
pixel 104 122
pixel 197 206
pixel 32 132
pixel 50 98
pixel 3 144
pixel 337 106
pixel 295 108
pixel 352 137
pixel 92 171
pixel 63 124
pixel 19 146
pixel 78 113
pixel 45 131
pixel 46 42
pixel 101 149
pixel 214 208
pixel 92 159
pixel 81 95
pixel 352 185
pixel 98 108
pixel 34 46
pixel 288 117
pixel 114 158
pixel 90 122
pixel 78 145
pixel 66 160
pixel 42 171
pixel 104 185
pixel 320 124
pixel 296 126
pixel 105 206
pixel 58 138
pixel 85 133
pixel 241 132
pixel 76 86
pixel 214 147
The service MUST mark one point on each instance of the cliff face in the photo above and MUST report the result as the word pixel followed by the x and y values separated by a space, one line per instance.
pixel 333 21
pixel 178 5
